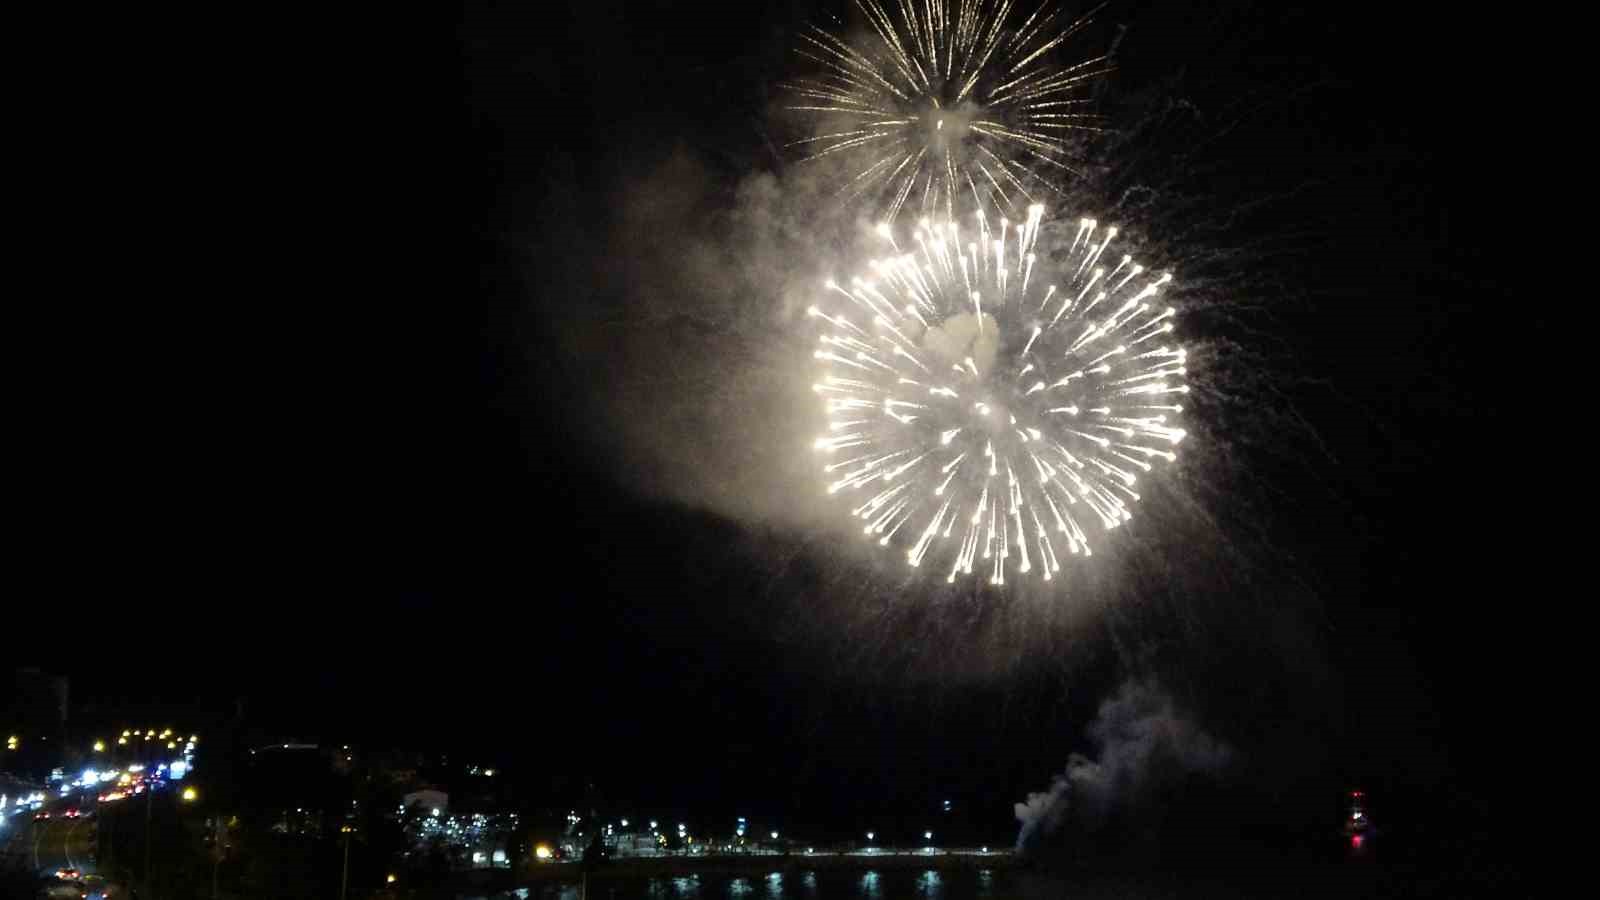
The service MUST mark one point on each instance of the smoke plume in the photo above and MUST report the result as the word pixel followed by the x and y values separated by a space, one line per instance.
pixel 1142 739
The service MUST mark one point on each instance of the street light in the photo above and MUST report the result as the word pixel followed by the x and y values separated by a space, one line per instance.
pixel 99 746
pixel 344 874
pixel 189 794
pixel 870 836
pixel 927 835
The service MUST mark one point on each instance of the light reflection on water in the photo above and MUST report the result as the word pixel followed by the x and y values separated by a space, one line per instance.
pixel 928 884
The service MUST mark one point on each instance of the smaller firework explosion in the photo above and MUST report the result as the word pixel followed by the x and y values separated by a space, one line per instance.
pixel 946 99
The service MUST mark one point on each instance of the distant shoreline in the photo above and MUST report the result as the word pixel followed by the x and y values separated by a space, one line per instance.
pixel 746 864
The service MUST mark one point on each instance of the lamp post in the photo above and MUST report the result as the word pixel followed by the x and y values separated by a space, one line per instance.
pixel 149 800
pixel 189 796
pixel 218 834
pixel 344 875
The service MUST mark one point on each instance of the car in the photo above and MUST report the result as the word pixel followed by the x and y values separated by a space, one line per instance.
pixel 41 815
pixel 68 874
pixel 72 813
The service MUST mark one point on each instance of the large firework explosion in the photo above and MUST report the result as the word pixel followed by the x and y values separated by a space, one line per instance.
pixel 940 100
pixel 994 403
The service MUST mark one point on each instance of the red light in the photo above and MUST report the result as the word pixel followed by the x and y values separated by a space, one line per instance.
pixel 1355 841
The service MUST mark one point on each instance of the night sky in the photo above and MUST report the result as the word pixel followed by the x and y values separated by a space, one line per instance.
pixel 451 541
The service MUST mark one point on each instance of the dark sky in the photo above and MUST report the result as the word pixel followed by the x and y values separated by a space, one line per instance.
pixel 446 542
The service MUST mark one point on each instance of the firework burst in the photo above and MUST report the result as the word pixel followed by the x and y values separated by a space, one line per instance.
pixel 945 98
pixel 987 401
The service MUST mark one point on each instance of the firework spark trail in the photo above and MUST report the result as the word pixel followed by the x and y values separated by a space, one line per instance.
pixel 944 96
pixel 990 403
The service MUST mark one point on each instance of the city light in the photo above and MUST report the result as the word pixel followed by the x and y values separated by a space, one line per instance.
pixel 389 879
pixel 541 852
pixel 99 746
pixel 189 794
pixel 870 836
pixel 927 835
pixel 774 835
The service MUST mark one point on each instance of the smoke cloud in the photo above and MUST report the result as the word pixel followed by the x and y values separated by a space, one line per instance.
pixel 1142 740
pixel 706 393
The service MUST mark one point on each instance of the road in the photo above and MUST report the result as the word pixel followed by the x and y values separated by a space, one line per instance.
pixel 49 845
pixel 64 844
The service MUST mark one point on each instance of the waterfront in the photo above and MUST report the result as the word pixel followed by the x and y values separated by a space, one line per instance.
pixel 1001 883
